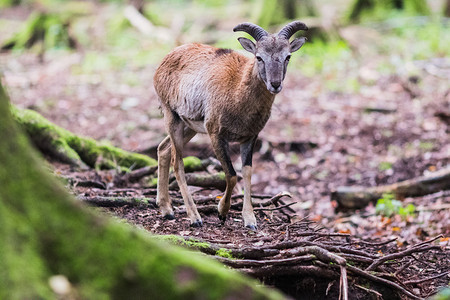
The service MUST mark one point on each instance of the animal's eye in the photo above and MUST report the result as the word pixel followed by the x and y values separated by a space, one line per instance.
pixel 258 58
pixel 288 57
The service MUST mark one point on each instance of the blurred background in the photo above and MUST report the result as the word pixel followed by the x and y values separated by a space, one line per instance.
pixel 366 100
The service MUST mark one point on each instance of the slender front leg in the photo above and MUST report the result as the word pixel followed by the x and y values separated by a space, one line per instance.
pixel 221 150
pixel 247 210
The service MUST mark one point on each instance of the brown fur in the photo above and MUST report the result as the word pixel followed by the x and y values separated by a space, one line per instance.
pixel 228 95
pixel 224 94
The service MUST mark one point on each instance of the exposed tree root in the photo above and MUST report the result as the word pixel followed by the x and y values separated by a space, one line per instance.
pixel 317 261
pixel 216 181
pixel 67 147
pixel 118 201
pixel 64 146
pixel 191 164
pixel 353 263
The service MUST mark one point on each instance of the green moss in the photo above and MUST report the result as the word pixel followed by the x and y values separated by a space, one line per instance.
pixel 192 243
pixel 70 148
pixel 178 240
pixel 153 182
pixel 192 163
pixel 224 253
pixel 46 232
pixel 45 135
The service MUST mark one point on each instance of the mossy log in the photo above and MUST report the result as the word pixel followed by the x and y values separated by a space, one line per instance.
pixel 355 197
pixel 52 247
pixel 67 147
pixel 61 144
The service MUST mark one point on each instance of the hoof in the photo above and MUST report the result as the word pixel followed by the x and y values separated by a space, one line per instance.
pixel 222 219
pixel 169 217
pixel 197 224
pixel 252 227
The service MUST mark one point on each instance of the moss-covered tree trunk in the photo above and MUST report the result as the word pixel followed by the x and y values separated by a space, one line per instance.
pixel 53 247
pixel 67 147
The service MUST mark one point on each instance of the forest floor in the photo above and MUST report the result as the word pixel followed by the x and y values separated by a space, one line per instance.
pixel 315 141
pixel 394 127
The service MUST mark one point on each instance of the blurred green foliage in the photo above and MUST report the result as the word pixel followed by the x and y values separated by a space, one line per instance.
pixel 383 9
pixel 109 42
pixel 443 294
pixel 8 3
pixel 384 166
pixel 388 206
pixel 50 29
pixel 273 12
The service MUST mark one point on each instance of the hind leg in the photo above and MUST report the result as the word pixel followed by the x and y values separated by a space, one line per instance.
pixel 165 150
pixel 179 135
pixel 172 148
pixel 162 196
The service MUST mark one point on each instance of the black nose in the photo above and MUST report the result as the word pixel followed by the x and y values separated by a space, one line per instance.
pixel 275 84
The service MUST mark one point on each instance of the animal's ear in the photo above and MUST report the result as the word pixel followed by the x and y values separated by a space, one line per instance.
pixel 297 44
pixel 247 45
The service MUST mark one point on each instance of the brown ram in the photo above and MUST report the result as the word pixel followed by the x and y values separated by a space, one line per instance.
pixel 203 89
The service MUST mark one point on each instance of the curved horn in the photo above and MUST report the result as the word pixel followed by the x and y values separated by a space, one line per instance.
pixel 291 28
pixel 254 30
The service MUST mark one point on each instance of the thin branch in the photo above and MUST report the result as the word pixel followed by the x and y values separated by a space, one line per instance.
pixel 275 208
pixel 429 241
pixel 136 175
pixel 118 201
pixel 415 248
pixel 402 268
pixel 343 286
pixel 248 263
pixel 380 296
pixel 381 280
pixel 327 247
pixel 296 270
pixel 416 281
pixel 373 243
